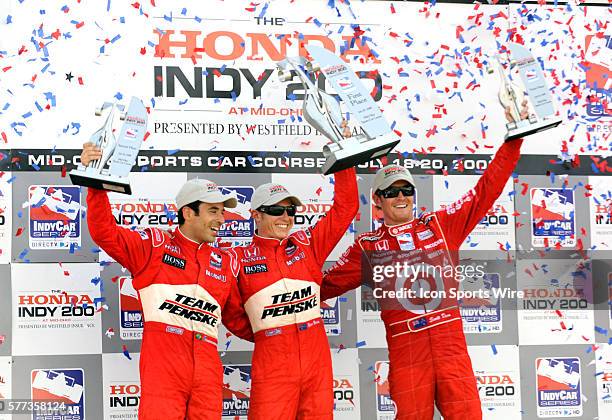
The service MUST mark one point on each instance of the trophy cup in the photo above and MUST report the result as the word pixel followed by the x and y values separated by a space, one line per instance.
pixel 322 110
pixel 536 92
pixel 111 171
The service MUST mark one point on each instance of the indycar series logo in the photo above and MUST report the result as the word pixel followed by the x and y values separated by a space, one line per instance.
pixel 558 384
pixel 553 217
pixel 65 386
pixel 236 390
pixel 239 227
pixel 481 315
pixel 598 59
pixel 385 407
pixel 54 216
pixel 130 311
pixel 330 313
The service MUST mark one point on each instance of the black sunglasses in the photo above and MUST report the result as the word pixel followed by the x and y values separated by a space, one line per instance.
pixel 276 210
pixel 393 192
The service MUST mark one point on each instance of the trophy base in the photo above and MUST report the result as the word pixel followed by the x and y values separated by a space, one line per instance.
pixel 520 131
pixel 100 182
pixel 353 152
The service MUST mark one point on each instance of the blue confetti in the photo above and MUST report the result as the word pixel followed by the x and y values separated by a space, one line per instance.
pixel 601 330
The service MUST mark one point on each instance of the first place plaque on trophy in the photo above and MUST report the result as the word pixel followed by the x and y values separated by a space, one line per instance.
pixel 323 112
pixel 111 171
pixel 535 92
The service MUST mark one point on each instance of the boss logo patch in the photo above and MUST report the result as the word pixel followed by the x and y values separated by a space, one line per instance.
pixel 174 261
pixel 254 269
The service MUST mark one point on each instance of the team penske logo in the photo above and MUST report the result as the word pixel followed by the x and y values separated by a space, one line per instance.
pixel 291 303
pixel 191 308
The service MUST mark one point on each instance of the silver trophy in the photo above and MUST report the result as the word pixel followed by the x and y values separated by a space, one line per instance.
pixel 535 91
pixel 111 171
pixel 323 112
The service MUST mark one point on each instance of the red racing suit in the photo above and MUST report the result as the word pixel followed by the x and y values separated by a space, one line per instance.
pixel 185 290
pixel 427 349
pixel 280 282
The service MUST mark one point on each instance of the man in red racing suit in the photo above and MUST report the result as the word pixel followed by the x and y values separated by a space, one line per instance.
pixel 279 281
pixel 427 350
pixel 186 288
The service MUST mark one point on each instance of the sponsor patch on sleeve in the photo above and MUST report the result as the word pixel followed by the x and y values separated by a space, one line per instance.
pixel 157 237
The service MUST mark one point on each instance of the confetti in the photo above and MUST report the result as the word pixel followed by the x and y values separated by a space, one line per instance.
pixel 126 353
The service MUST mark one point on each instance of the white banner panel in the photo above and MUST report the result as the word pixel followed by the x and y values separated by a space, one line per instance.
pixel 370 328
pixel 497 371
pixel 121 384
pixel 58 307
pixel 496 230
pixel 208 76
pixel 557 305
pixel 603 361
pixel 346 384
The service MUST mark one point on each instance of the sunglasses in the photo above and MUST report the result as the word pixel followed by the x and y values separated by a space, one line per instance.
pixel 392 192
pixel 277 210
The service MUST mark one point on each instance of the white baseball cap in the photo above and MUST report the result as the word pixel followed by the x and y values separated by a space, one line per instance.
pixel 205 191
pixel 270 194
pixel 389 174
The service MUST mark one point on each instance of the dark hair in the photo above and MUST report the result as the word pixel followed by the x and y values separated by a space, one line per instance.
pixel 195 206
